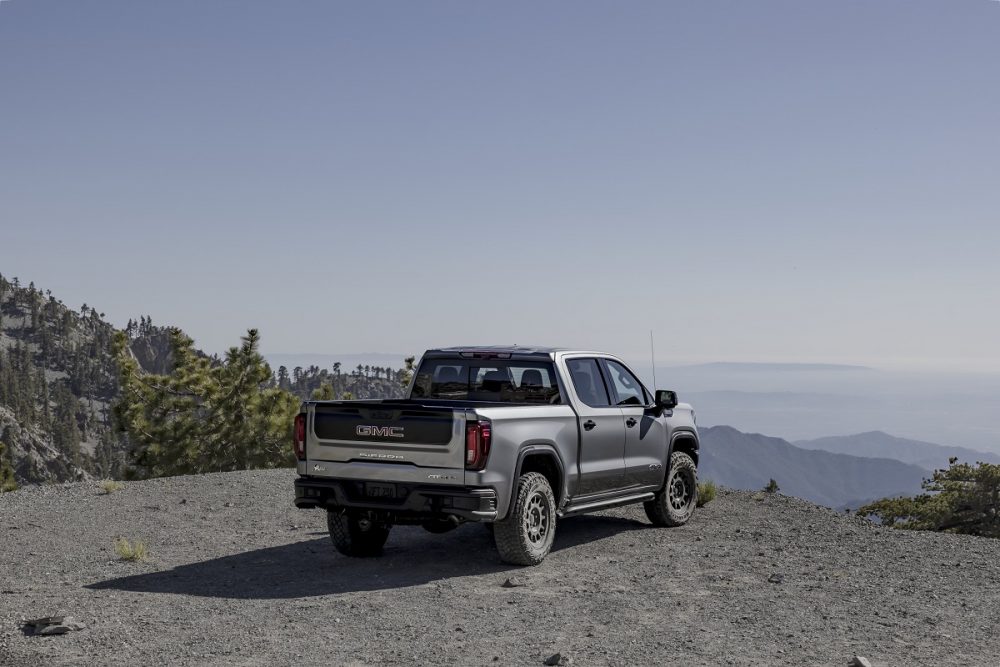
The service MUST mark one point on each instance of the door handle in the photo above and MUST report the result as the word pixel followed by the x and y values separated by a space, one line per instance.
pixel 589 425
pixel 630 422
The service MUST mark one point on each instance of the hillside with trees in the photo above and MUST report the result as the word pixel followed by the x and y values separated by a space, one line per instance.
pixel 57 383
pixel 61 376
pixel 360 382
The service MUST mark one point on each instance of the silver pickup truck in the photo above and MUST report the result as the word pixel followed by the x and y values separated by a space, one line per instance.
pixel 513 437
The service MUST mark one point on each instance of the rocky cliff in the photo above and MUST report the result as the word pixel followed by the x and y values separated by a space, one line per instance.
pixel 58 379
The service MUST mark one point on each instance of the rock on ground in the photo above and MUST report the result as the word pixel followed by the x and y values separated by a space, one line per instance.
pixel 258 583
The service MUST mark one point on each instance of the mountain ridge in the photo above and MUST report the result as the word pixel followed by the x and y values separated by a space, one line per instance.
pixel 879 444
pixel 741 460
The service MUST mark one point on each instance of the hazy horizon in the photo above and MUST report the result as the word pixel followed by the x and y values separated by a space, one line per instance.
pixel 774 181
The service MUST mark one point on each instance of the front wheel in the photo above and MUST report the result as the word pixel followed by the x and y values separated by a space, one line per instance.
pixel 357 534
pixel 674 505
pixel 526 535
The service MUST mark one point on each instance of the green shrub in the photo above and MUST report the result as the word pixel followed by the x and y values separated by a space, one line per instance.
pixel 109 486
pixel 962 499
pixel 772 487
pixel 706 492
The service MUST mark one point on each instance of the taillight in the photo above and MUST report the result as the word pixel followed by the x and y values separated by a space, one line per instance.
pixel 300 437
pixel 478 436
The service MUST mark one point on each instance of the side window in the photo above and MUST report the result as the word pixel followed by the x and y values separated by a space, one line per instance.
pixel 588 383
pixel 627 388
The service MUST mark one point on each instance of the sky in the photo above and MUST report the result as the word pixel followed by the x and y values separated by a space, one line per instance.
pixel 794 181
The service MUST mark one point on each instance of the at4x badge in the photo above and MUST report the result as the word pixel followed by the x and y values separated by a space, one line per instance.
pixel 380 455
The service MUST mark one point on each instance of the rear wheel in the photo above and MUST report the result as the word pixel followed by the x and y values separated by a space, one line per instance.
pixel 357 534
pixel 676 502
pixel 526 535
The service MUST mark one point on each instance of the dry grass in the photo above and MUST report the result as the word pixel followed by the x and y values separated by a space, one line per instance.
pixel 126 550
pixel 706 492
pixel 109 486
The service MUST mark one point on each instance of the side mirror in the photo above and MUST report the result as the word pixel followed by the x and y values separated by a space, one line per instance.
pixel 666 399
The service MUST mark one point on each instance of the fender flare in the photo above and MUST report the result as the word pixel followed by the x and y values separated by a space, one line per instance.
pixel 539 448
pixel 681 433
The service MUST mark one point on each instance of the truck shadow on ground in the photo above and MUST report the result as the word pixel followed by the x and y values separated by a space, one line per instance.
pixel 312 567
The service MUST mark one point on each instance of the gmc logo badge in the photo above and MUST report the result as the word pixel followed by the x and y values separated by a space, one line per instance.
pixel 380 431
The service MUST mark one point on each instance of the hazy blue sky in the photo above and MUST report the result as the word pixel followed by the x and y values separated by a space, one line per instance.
pixel 755 180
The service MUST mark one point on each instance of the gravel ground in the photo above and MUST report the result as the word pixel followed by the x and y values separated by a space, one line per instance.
pixel 238 576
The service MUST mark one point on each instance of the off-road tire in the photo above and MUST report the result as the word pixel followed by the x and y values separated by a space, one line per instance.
pixel 675 503
pixel 356 534
pixel 526 535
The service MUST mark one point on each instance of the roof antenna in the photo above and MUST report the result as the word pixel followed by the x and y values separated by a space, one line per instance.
pixel 652 357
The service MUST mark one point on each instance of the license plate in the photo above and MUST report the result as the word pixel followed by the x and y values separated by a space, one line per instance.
pixel 380 490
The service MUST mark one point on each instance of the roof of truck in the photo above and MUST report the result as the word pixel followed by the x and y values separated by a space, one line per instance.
pixel 504 349
pixel 513 350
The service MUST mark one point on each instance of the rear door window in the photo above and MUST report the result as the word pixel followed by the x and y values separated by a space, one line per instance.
pixel 588 383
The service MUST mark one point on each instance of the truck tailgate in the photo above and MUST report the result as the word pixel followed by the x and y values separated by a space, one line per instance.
pixel 404 442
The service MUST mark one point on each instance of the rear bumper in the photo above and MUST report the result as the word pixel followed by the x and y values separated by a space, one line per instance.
pixel 411 501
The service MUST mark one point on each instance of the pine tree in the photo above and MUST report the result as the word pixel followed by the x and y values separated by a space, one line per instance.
pixel 204 417
pixel 963 499
pixel 410 364
pixel 34 304
pixel 324 393
pixel 4 286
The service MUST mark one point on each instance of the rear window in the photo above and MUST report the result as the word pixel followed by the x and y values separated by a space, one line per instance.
pixel 493 380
